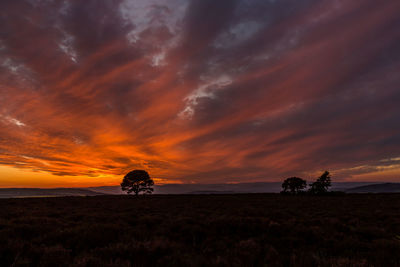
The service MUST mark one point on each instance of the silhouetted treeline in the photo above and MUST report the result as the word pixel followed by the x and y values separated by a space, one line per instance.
pixel 297 186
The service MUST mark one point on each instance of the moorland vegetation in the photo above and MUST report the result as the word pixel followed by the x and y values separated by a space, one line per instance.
pixel 202 230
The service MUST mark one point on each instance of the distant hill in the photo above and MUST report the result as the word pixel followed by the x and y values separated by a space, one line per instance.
pixel 260 187
pixel 212 192
pixel 274 187
pixel 109 190
pixel 267 187
pixel 38 192
pixel 376 188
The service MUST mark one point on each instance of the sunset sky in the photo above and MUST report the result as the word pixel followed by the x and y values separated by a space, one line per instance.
pixel 198 91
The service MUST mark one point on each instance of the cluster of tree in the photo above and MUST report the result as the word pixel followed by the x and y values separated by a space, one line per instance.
pixel 296 185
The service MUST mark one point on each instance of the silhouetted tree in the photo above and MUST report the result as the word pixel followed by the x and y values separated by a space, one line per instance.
pixel 322 184
pixel 293 185
pixel 137 181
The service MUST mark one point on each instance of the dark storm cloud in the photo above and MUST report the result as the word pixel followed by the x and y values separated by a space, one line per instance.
pixel 203 91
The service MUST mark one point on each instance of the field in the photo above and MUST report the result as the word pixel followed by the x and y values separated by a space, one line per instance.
pixel 201 230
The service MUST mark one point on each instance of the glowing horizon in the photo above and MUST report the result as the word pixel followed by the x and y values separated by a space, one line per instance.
pixel 198 91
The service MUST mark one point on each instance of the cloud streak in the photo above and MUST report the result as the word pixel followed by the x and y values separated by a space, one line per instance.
pixel 200 91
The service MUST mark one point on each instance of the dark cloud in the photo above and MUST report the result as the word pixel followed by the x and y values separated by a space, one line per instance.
pixel 201 91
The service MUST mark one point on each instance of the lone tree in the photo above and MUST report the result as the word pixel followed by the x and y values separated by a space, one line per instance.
pixel 137 181
pixel 322 184
pixel 293 185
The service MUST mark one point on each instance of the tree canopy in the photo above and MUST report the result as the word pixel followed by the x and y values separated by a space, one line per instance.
pixel 137 181
pixel 322 184
pixel 293 185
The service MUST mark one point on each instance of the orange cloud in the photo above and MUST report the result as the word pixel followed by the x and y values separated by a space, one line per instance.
pixel 252 92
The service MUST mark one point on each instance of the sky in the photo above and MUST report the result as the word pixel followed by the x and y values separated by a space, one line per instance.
pixel 198 91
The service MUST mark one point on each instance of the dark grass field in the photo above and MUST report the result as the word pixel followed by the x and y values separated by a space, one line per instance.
pixel 201 230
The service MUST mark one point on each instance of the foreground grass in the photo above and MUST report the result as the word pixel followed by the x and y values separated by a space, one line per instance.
pixel 201 230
